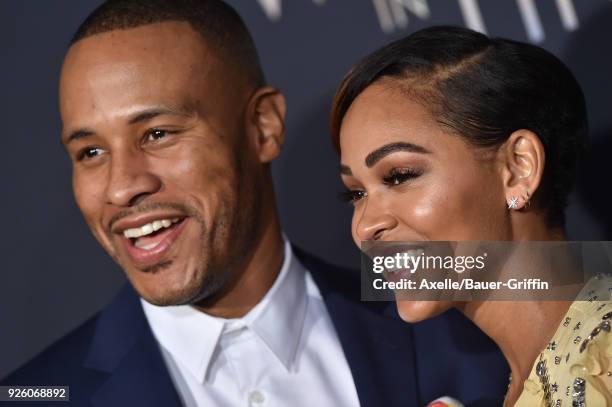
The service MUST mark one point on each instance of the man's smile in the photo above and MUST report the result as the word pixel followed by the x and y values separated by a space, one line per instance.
pixel 148 238
pixel 140 234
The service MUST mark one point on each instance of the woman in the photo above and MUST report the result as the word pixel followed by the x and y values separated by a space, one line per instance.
pixel 449 135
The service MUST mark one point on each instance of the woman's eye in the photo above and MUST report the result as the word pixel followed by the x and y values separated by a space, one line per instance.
pixel 399 176
pixel 89 153
pixel 351 196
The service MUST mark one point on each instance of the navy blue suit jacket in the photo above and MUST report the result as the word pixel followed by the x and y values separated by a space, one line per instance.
pixel 114 360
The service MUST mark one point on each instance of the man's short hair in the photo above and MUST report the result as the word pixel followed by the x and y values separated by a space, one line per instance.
pixel 218 23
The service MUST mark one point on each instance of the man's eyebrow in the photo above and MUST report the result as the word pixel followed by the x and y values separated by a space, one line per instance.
pixel 381 152
pixel 141 116
pixel 78 134
pixel 149 114
pixel 345 170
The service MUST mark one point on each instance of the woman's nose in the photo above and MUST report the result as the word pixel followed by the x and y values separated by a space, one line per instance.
pixel 374 223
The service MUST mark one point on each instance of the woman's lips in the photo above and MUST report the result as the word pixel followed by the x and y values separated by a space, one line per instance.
pixel 149 250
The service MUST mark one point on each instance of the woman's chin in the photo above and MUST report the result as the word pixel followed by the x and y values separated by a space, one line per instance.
pixel 417 311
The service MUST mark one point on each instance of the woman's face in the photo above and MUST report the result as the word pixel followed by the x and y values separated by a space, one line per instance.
pixel 410 180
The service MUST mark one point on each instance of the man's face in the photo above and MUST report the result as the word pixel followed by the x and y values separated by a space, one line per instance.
pixel 154 126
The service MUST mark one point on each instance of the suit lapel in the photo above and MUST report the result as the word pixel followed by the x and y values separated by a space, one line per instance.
pixel 124 348
pixel 377 344
pixel 141 379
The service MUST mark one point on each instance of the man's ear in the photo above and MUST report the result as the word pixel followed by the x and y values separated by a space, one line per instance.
pixel 522 157
pixel 266 122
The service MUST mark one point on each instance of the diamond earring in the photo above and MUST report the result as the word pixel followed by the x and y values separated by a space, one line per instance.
pixel 513 202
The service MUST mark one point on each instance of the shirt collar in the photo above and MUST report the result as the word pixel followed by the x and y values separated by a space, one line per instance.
pixel 279 317
pixel 191 336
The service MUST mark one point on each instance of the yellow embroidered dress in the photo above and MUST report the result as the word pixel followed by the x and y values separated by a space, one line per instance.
pixel 575 369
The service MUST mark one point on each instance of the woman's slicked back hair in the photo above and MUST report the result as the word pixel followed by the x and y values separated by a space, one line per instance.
pixel 484 89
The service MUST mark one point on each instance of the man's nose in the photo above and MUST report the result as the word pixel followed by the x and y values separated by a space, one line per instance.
pixel 131 179
pixel 374 222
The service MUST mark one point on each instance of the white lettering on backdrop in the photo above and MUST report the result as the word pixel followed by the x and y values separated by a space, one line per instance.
pixel 394 15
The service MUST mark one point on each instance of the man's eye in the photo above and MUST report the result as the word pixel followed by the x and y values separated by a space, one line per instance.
pixel 352 196
pixel 89 153
pixel 156 134
pixel 398 176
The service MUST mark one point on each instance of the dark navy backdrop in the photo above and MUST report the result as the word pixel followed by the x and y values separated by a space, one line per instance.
pixel 54 274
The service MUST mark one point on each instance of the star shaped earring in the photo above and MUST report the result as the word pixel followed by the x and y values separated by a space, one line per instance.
pixel 513 202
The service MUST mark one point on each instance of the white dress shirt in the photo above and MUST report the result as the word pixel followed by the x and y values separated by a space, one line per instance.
pixel 284 352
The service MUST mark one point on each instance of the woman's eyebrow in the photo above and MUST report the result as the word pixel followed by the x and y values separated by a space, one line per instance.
pixel 381 152
pixel 345 170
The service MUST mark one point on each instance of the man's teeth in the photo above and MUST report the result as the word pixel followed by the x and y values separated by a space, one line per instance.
pixel 149 228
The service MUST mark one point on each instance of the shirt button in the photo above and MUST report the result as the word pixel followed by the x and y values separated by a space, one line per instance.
pixel 256 397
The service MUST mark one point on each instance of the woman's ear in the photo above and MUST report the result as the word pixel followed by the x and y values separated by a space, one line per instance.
pixel 522 158
pixel 266 122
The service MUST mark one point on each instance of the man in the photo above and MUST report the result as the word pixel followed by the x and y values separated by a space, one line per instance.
pixel 171 131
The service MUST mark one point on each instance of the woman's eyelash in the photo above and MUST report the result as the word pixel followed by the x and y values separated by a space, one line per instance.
pixel 350 196
pixel 398 176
